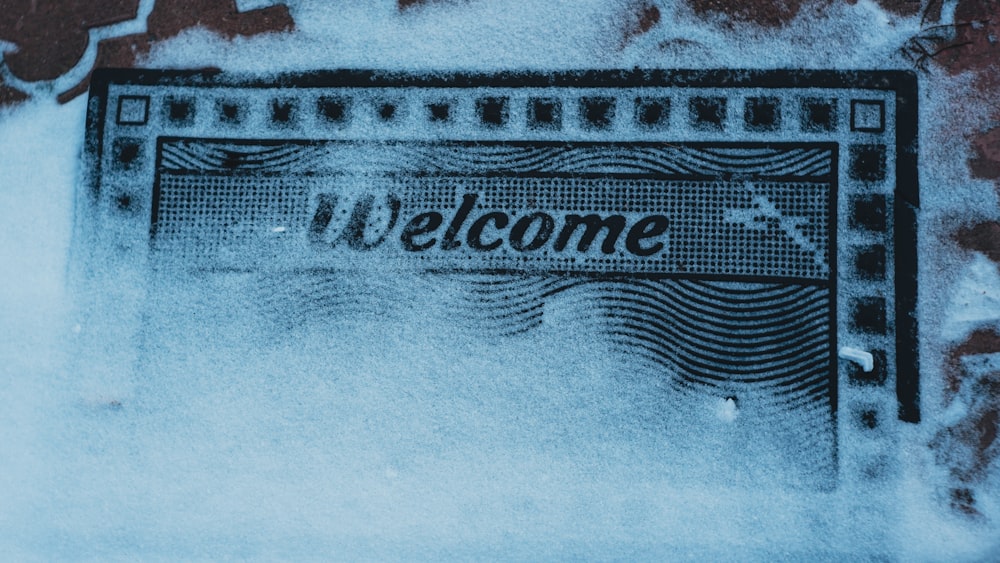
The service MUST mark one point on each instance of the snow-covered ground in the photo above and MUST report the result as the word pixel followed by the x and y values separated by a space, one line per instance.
pixel 230 446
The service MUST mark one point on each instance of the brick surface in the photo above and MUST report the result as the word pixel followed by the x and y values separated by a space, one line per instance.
pixel 767 13
pixel 10 96
pixel 52 35
pixel 640 17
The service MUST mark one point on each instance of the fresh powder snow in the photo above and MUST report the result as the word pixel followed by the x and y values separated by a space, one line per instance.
pixel 249 432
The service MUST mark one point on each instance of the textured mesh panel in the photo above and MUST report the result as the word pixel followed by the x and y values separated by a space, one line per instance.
pixel 756 227
pixel 201 216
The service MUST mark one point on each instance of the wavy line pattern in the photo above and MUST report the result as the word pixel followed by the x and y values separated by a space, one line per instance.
pixel 290 301
pixel 696 341
pixel 496 157
pixel 771 340
pixel 508 305
pixel 202 156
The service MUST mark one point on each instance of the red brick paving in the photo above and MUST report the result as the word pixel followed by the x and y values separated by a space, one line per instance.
pixel 970 46
pixel 765 13
pixel 981 237
pixel 170 17
pixel 642 16
pixel 10 96
pixel 778 13
pixel 52 35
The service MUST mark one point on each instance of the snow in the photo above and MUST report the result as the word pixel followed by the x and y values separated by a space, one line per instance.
pixel 727 410
pixel 975 299
pixel 232 444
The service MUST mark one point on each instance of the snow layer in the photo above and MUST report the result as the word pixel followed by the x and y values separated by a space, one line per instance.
pixel 233 446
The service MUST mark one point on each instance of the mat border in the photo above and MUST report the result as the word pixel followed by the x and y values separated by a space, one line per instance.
pixel 902 83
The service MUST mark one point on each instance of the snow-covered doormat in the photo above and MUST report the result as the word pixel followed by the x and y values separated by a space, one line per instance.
pixel 480 304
